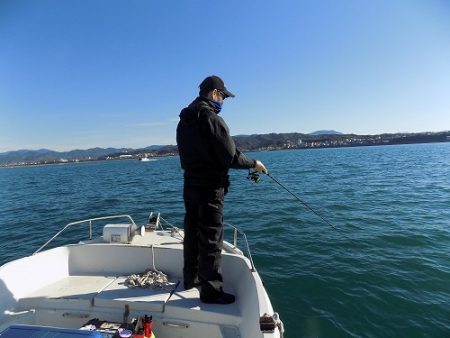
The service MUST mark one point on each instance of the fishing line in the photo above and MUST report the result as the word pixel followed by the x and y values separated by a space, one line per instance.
pixel 254 177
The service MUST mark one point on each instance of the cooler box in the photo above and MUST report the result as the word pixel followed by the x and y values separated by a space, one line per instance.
pixel 117 233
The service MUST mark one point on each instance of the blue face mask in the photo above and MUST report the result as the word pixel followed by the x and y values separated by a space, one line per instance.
pixel 217 105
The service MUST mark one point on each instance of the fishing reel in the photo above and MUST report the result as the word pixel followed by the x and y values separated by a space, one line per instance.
pixel 253 176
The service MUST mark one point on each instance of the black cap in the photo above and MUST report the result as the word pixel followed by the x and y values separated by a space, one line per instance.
pixel 214 82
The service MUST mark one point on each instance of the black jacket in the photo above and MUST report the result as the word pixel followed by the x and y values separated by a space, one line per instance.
pixel 205 146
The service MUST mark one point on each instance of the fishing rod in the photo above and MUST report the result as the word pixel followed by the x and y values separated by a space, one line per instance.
pixel 254 177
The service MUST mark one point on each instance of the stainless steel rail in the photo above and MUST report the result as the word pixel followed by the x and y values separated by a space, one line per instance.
pixel 236 231
pixel 90 220
pixel 235 240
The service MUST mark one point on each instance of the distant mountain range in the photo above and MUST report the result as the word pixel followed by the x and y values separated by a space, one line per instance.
pixel 257 142
pixel 326 132
pixel 46 155
pixel 31 156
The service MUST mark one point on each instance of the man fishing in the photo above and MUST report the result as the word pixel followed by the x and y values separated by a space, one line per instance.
pixel 207 152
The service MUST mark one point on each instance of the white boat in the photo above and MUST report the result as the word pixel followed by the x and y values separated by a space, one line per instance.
pixel 84 289
pixel 146 159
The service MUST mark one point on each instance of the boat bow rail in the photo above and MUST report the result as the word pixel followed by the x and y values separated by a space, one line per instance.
pixel 233 244
pixel 237 231
pixel 90 220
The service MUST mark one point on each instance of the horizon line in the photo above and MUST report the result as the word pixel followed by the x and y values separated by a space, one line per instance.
pixel 163 145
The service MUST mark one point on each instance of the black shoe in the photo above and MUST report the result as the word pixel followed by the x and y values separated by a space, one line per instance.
pixel 220 298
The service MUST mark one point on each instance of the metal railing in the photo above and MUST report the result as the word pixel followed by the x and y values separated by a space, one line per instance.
pixel 90 220
pixel 237 231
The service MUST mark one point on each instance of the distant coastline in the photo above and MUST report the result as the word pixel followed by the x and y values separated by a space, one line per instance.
pixel 306 141
pixel 257 142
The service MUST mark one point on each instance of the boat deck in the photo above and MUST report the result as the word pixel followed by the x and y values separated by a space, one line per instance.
pixel 89 293
pixel 74 300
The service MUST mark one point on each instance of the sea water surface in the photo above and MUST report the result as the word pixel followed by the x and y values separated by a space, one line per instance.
pixel 384 273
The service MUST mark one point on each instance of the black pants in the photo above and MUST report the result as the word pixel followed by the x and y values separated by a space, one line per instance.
pixel 203 237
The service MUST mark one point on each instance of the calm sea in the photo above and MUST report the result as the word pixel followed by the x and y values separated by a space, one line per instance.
pixel 385 273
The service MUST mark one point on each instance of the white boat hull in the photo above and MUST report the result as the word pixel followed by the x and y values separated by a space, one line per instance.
pixel 69 285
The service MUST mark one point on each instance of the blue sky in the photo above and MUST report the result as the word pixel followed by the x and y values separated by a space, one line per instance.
pixel 94 73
